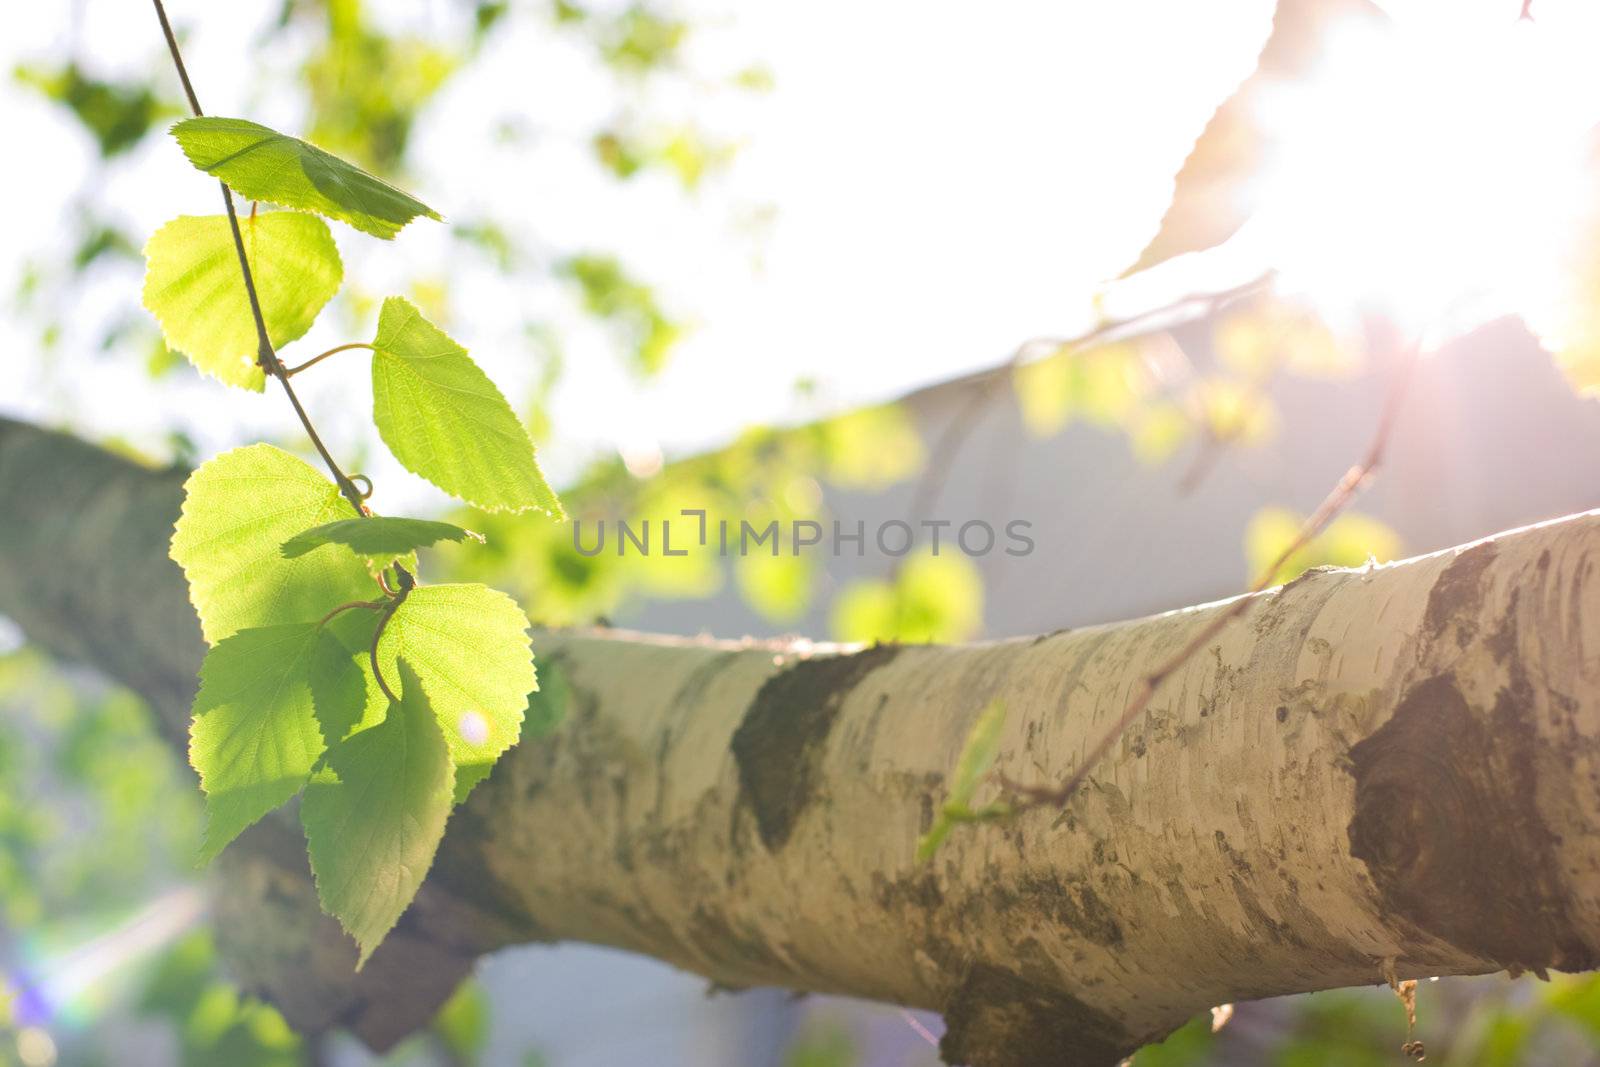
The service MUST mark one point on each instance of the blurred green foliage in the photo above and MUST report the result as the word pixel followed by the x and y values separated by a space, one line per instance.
pixel 1351 540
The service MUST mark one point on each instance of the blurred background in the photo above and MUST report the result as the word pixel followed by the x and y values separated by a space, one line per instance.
pixel 859 262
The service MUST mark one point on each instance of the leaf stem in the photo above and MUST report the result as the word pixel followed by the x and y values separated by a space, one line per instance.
pixel 377 634
pixel 290 372
pixel 370 605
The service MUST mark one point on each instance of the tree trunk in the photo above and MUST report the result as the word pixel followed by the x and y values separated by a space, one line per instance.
pixel 1395 764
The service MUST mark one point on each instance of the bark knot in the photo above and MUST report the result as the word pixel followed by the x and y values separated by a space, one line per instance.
pixel 1448 824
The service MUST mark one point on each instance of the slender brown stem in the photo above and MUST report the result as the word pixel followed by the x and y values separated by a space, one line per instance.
pixel 377 635
pixel 1354 480
pixel 290 372
pixel 370 605
pixel 177 59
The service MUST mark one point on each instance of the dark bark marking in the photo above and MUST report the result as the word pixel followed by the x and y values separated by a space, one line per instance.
pixel 1458 594
pixel 1448 824
pixel 778 745
pixel 997 1018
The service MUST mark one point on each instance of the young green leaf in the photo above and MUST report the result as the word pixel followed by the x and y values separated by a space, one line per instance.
pixel 977 756
pixel 255 735
pixel 263 164
pixel 444 419
pixel 195 289
pixel 380 538
pixel 374 818
pixel 238 509
pixel 469 644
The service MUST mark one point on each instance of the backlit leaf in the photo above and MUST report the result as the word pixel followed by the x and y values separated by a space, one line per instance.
pixel 444 419
pixel 469 645
pixel 238 510
pixel 262 164
pixel 195 289
pixel 374 818
pixel 255 735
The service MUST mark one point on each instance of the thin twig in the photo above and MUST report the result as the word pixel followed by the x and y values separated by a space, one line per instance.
pixel 290 372
pixel 1354 480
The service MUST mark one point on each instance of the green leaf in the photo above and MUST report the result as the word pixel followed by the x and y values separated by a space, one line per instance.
pixel 195 289
pixel 444 419
pixel 374 818
pixel 238 510
pixel 379 538
pixel 977 756
pixel 255 735
pixel 469 645
pixel 262 164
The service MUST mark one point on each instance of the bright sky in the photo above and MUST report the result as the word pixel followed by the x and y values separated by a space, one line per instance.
pixel 948 181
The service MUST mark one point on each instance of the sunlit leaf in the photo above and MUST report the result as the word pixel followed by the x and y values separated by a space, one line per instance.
pixel 380 538
pixel 374 819
pixel 255 735
pixel 469 645
pixel 1211 198
pixel 444 419
pixel 238 510
pixel 262 164
pixel 195 289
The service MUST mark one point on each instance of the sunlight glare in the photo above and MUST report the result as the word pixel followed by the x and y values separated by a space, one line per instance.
pixel 1433 170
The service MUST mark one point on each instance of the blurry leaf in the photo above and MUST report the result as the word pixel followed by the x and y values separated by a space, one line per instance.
pixel 778 587
pixel 238 510
pixel 1188 1046
pixel 871 448
pixel 117 115
pixel 365 118
pixel 629 306
pixel 1100 384
pixel 1235 412
pixel 640 39
pixel 262 164
pixel 374 823
pixel 469 645
pixel 444 419
pixel 1349 541
pixel 1258 341
pixel 1157 430
pixel 195 289
pixel 547 705
pixel 463 1023
pixel 830 1046
pixel 378 537
pixel 933 598
pixel 255 736
pixel 1211 198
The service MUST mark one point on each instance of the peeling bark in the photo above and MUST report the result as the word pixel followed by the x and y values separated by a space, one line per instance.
pixel 1401 762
